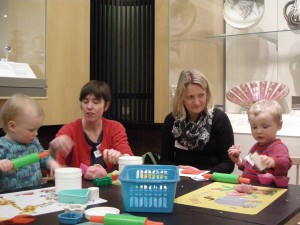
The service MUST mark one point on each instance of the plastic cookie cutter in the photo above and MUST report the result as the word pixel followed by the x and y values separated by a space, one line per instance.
pixel 78 208
pixel 70 218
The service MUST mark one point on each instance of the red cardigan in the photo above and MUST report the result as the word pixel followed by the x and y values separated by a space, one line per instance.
pixel 114 137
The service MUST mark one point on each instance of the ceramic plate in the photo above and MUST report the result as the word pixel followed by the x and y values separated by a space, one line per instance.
pixel 248 93
pixel 100 211
pixel 243 13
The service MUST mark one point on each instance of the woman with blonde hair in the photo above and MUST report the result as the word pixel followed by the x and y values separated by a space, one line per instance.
pixel 196 133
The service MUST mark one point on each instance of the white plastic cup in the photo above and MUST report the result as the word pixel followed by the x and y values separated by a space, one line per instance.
pixel 94 193
pixel 129 160
pixel 67 178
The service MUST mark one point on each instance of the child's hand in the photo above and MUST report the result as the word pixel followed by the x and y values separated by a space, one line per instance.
pixel 234 153
pixel 267 161
pixel 52 165
pixel 6 165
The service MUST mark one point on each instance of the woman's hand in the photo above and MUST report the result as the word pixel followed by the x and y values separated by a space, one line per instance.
pixel 6 165
pixel 234 153
pixel 62 143
pixel 112 155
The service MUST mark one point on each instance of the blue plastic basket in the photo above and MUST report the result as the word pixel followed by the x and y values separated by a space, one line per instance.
pixel 149 188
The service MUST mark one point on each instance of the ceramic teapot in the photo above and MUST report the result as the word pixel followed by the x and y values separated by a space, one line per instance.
pixel 293 15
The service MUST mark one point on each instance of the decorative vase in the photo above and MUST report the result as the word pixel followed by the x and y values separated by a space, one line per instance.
pixel 292 14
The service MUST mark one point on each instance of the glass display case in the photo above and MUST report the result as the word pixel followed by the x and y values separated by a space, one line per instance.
pixel 191 22
pixel 235 42
pixel 22 47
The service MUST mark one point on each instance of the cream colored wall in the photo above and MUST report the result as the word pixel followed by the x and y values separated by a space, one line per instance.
pixel 161 101
pixel 191 23
pixel 67 58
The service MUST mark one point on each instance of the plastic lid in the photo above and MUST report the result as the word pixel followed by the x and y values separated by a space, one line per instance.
pixel 131 159
pixel 100 211
pixel 67 172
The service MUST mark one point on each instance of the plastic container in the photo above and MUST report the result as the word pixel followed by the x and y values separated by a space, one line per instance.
pixel 67 178
pixel 149 188
pixel 74 196
pixel 129 160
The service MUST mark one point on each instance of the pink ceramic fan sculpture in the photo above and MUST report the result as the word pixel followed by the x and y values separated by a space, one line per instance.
pixel 248 93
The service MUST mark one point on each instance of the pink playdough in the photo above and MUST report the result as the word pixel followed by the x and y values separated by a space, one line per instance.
pixel 95 171
pixel 245 188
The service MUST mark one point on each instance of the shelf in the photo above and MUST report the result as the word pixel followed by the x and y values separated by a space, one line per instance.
pixel 251 33
pixel 29 86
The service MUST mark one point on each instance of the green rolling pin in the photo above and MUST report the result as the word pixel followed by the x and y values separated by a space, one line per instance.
pixel 123 219
pixel 227 178
pixel 28 159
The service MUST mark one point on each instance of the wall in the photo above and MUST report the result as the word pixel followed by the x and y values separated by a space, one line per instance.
pixel 67 55
pixel 67 59
pixel 161 91
pixel 192 22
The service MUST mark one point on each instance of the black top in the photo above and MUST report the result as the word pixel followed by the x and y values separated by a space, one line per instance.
pixel 213 157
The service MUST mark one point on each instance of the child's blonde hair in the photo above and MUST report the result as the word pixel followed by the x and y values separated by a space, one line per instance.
pixel 15 107
pixel 190 77
pixel 266 105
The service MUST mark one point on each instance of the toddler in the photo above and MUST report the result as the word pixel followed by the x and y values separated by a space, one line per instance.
pixel 21 117
pixel 269 154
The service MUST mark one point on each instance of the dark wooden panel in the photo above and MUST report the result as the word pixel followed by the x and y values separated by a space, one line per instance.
pixel 142 137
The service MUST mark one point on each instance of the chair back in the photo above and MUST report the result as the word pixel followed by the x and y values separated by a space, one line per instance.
pixel 296 162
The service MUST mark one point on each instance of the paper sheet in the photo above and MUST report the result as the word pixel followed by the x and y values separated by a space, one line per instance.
pixel 33 202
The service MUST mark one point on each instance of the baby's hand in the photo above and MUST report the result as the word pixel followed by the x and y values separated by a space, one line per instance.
pixel 267 161
pixel 52 165
pixel 6 165
pixel 234 153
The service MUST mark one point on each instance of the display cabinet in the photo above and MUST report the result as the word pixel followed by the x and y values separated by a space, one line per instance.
pixel 264 45
pixel 22 47
pixel 234 42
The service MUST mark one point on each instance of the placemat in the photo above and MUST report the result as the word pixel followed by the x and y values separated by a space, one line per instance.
pixel 221 196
